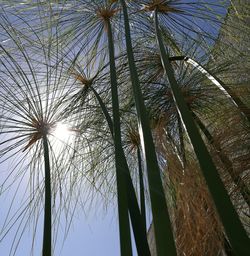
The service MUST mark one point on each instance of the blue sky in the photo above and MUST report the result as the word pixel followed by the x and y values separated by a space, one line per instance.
pixel 93 233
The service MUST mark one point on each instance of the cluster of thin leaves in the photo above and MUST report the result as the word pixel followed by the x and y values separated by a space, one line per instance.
pixel 57 68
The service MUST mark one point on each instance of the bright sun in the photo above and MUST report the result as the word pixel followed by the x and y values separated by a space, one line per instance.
pixel 62 138
pixel 62 132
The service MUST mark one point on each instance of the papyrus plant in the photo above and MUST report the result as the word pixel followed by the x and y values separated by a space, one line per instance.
pixel 32 107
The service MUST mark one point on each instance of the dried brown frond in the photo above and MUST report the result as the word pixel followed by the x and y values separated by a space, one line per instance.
pixel 197 228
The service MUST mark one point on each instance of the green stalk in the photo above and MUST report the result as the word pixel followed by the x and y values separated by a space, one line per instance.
pixel 182 146
pixel 104 110
pixel 142 190
pixel 124 226
pixel 228 216
pixel 139 228
pixel 163 233
pixel 47 210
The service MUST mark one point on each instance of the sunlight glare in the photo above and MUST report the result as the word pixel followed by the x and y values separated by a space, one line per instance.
pixel 63 138
pixel 62 132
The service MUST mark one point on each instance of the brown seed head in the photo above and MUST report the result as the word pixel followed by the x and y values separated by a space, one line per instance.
pixel 41 128
pixel 106 13
pixel 160 6
pixel 133 138
pixel 84 81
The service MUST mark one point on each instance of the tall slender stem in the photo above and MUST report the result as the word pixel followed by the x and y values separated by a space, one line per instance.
pixel 142 190
pixel 182 146
pixel 228 216
pixel 104 110
pixel 124 226
pixel 137 219
pixel 47 210
pixel 162 226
